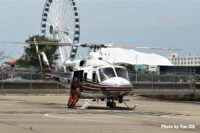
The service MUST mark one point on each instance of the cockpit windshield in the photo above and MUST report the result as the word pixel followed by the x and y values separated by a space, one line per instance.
pixel 121 72
pixel 110 72
pixel 106 73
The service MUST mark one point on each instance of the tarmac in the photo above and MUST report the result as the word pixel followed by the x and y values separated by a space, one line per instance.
pixel 47 114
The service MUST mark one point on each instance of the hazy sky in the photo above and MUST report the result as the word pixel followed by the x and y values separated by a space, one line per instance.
pixel 157 23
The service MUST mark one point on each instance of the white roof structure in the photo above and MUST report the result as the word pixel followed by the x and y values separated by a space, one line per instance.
pixel 130 56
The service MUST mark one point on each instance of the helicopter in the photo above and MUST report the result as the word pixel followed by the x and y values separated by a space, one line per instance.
pixel 100 79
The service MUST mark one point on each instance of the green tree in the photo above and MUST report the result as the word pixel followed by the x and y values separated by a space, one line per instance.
pixel 30 56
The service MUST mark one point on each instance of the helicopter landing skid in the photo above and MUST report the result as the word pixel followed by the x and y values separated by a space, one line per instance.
pixel 87 103
pixel 128 106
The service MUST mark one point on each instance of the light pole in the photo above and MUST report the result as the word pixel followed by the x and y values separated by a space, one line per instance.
pixel 2 81
pixel 136 69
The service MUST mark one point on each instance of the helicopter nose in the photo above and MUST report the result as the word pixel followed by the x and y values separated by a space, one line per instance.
pixel 117 81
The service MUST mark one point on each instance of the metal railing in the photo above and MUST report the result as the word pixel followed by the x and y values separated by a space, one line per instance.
pixel 28 81
pixel 164 77
pixel 166 83
pixel 33 81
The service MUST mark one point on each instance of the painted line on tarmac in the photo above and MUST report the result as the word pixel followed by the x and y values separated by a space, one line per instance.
pixel 188 118
pixel 90 120
pixel 151 119
pixel 106 116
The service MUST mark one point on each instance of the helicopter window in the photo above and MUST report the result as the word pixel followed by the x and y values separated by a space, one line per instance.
pixel 106 73
pixel 121 72
pixel 93 77
pixel 85 76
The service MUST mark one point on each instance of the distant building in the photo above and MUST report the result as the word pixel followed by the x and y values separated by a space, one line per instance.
pixel 190 60
pixel 119 56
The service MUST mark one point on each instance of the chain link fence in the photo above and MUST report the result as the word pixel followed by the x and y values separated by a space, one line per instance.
pixel 164 77
pixel 31 81
pixel 28 81
pixel 166 80
pixel 168 85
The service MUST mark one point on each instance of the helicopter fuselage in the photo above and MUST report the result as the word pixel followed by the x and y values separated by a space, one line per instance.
pixel 100 79
pixel 110 82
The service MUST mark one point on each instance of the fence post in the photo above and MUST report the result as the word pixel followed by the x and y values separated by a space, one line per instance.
pixel 193 87
pixel 30 89
pixel 152 80
pixel 173 81
pixel 2 82
pixel 57 87
pixel 136 76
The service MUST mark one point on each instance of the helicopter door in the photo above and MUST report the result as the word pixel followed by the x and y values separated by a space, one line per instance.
pixel 94 76
pixel 79 75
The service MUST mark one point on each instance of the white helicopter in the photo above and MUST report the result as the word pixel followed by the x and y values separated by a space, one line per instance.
pixel 100 79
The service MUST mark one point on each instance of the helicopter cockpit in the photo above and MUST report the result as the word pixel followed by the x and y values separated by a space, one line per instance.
pixel 111 72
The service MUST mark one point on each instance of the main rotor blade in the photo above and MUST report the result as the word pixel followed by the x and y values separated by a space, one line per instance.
pixel 91 45
pixel 138 47
pixel 42 43
pixel 159 48
pixel 13 42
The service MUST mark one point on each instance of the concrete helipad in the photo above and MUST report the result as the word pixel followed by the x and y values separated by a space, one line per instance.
pixel 46 114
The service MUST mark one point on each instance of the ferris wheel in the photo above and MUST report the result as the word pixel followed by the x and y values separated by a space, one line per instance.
pixel 60 20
